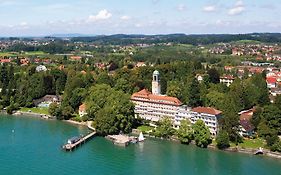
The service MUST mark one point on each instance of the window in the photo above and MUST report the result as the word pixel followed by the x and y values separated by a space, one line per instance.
pixel 155 78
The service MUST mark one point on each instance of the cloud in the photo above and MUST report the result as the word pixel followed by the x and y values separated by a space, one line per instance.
pixel 102 15
pixel 125 17
pixel 237 9
pixel 239 3
pixel 210 8
pixel 181 7
pixel 23 24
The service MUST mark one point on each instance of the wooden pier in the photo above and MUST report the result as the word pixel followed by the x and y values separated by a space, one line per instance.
pixel 82 140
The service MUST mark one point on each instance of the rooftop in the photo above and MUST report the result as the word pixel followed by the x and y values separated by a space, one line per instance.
pixel 207 110
pixel 157 98
pixel 82 107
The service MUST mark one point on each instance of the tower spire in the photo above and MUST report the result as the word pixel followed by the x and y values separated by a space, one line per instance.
pixel 156 87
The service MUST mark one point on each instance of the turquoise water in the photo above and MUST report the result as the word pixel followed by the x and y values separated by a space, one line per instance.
pixel 34 148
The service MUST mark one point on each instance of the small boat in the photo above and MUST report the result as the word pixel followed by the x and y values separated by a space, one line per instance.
pixel 73 140
pixel 141 138
pixel 259 151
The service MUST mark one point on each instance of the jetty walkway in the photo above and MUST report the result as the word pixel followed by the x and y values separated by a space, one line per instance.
pixel 70 146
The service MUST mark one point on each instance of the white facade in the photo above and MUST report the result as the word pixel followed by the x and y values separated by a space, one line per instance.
pixel 153 107
pixel 82 113
pixel 226 80
pixel 153 110
pixel 41 68
pixel 210 120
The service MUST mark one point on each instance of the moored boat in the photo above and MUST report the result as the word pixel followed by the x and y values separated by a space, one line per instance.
pixel 141 137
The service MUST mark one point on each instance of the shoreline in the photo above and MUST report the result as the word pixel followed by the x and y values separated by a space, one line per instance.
pixel 49 117
pixel 249 151
pixel 32 114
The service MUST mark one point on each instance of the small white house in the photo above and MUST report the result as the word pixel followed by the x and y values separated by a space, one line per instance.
pixel 41 68
pixel 82 110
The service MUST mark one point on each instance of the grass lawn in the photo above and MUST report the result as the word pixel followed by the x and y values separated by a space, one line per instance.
pixel 34 53
pixel 247 143
pixel 2 54
pixel 36 110
pixel 145 128
pixel 253 143
pixel 247 42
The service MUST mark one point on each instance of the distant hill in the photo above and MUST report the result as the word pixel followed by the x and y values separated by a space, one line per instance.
pixel 123 39
pixel 126 39
pixel 69 35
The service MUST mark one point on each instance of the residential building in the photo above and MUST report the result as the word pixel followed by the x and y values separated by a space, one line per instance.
pixel 246 128
pixel 41 68
pixel 208 115
pixel 227 80
pixel 271 82
pixel 47 100
pixel 82 110
pixel 154 106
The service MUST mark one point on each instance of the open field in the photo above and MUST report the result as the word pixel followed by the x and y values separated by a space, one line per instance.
pixel 8 54
pixel 145 128
pixel 36 110
pixel 253 143
pixel 35 53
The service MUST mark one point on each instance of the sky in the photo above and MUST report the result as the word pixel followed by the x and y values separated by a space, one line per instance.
pixel 98 17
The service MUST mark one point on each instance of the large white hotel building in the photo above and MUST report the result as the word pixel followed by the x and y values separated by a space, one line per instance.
pixel 154 106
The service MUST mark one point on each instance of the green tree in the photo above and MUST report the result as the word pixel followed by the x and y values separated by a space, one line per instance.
pixel 123 85
pixel 215 99
pixel 194 99
pixel 67 112
pixel 230 120
pixel 277 102
pixel 54 109
pixel 255 120
pixel 164 128
pixel 222 140
pixel 110 108
pixel 174 89
pixel 202 134
pixel 104 78
pixel 214 75
pixel 105 122
pixel 271 117
pixel 185 132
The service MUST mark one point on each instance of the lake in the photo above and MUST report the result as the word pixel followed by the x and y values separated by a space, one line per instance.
pixel 33 146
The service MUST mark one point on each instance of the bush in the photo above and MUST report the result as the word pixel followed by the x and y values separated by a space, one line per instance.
pixel 276 146
pixel 222 140
pixel 164 128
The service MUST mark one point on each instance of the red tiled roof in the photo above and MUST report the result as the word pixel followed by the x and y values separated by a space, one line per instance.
pixel 227 77
pixel 76 58
pixel 82 107
pixel 207 110
pixel 145 94
pixel 228 67
pixel 5 60
pixel 246 124
pixel 271 80
pixel 245 119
